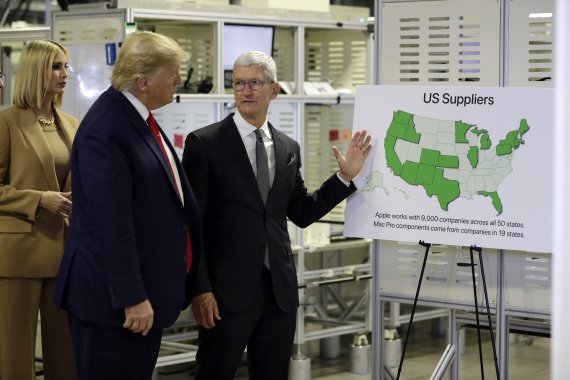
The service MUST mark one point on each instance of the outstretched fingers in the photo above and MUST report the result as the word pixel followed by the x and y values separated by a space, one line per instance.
pixel 362 140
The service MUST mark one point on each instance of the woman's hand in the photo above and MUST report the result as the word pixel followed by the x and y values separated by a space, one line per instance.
pixel 56 202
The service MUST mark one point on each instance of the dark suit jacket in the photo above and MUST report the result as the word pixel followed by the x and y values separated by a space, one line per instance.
pixel 127 239
pixel 236 224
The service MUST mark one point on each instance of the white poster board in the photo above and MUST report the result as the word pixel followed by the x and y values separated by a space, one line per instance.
pixel 455 165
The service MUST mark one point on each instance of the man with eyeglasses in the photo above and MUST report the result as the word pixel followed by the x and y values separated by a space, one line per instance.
pixel 247 180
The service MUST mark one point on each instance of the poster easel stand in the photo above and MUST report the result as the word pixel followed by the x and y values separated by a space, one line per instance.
pixel 479 250
pixel 427 247
pixel 450 352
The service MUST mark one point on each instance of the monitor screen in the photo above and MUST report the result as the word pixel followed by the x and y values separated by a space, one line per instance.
pixel 241 38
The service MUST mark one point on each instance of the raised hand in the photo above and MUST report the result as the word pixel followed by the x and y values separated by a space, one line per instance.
pixel 350 163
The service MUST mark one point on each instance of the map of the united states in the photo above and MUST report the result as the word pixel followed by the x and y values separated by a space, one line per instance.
pixel 449 159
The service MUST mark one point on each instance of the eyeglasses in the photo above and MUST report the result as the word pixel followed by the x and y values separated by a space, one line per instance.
pixel 256 84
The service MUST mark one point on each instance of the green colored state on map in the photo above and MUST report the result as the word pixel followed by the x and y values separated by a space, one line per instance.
pixel 513 139
pixel 457 162
pixel 401 128
pixel 495 199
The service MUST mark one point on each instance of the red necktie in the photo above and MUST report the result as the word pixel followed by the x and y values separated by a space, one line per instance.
pixel 156 133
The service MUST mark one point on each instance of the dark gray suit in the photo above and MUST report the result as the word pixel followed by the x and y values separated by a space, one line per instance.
pixel 236 228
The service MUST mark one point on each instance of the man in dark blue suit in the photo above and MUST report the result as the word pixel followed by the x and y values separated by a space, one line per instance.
pixel 134 240
pixel 247 180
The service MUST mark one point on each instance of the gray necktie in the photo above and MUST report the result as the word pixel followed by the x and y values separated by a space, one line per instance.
pixel 262 166
pixel 262 176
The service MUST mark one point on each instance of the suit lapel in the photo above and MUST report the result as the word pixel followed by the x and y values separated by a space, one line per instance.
pixel 33 133
pixel 234 143
pixel 143 130
pixel 151 142
pixel 280 156
pixel 68 129
pixel 175 162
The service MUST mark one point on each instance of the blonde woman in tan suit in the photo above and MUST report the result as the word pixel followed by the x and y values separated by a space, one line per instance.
pixel 35 206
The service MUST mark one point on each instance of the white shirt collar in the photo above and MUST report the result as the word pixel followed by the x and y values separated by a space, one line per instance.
pixel 141 108
pixel 245 128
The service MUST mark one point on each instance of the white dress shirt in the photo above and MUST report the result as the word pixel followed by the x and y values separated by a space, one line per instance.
pixel 247 133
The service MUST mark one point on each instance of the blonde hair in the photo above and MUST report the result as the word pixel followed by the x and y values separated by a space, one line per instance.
pixel 143 54
pixel 34 74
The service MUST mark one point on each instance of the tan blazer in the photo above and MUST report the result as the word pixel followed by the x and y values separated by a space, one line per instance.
pixel 31 238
